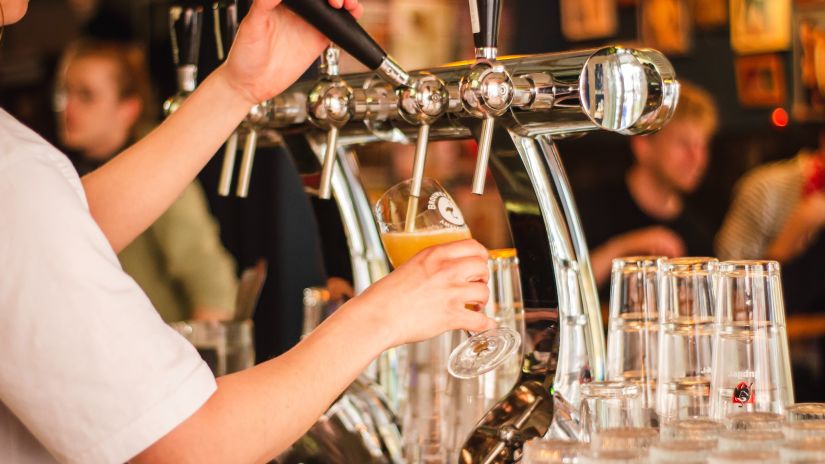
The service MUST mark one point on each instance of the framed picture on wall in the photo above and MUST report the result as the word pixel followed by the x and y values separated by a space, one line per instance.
pixel 665 25
pixel 709 14
pixel 809 61
pixel 759 26
pixel 588 19
pixel 760 81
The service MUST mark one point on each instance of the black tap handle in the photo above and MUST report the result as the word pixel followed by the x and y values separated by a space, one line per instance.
pixel 185 25
pixel 341 28
pixel 485 16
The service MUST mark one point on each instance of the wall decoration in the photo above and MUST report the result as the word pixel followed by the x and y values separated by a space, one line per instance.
pixel 759 26
pixel 709 14
pixel 588 19
pixel 760 81
pixel 665 25
pixel 809 62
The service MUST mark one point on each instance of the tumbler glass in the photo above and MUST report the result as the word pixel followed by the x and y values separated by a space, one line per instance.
pixel 751 367
pixel 632 336
pixel 804 411
pixel 685 338
pixel 691 429
pixel 750 440
pixel 743 457
pixel 764 421
pixel 681 451
pixel 609 405
pixel 804 429
pixel 540 451
pixel 625 438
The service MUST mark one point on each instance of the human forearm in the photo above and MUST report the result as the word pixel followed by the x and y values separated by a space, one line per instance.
pixel 258 412
pixel 792 239
pixel 131 191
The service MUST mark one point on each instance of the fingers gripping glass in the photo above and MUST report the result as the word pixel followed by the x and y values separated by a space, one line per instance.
pixel 409 225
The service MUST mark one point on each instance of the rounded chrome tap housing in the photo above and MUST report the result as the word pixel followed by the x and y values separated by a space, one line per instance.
pixel 426 100
pixel 329 103
pixel 487 90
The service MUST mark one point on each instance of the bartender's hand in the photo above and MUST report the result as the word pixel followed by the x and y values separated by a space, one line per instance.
pixel 273 48
pixel 426 296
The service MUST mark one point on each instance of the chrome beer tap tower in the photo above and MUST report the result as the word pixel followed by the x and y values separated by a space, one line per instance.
pixel 516 108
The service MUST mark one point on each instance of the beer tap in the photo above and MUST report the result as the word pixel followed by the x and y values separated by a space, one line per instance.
pixel 343 30
pixel 421 103
pixel 328 106
pixel 487 90
pixel 225 22
pixel 185 24
pixel 257 117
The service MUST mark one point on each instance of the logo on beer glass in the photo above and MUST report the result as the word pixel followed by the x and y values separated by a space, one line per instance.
pixel 448 211
pixel 743 394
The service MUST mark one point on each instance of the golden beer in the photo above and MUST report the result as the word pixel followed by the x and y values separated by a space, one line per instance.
pixel 401 246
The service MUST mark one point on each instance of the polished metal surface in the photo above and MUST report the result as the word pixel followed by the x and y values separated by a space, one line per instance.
pixel 544 97
pixel 392 72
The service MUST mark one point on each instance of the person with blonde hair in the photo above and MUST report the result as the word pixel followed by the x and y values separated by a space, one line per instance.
pixel 644 212
pixel 104 103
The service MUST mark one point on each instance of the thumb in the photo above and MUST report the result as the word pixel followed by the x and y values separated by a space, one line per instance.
pixel 474 321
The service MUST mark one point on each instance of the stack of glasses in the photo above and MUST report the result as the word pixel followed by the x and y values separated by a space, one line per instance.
pixel 697 371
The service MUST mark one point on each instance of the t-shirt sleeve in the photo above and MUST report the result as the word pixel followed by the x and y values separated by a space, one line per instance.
pixel 744 232
pixel 87 364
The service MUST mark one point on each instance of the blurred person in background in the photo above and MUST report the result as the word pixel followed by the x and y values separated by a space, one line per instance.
pixel 644 211
pixel 104 103
pixel 778 213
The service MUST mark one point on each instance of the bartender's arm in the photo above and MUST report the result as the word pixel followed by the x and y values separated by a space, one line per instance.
pixel 272 49
pixel 258 412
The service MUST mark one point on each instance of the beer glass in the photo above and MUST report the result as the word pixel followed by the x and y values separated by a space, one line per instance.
pixel 691 429
pixel 750 440
pixel 625 438
pixel 539 451
pixel 681 451
pixel 609 405
pixel 765 421
pixel 632 337
pixel 803 451
pixel 410 224
pixel 804 429
pixel 614 457
pixel 751 367
pixel 805 411
pixel 743 457
pixel 685 338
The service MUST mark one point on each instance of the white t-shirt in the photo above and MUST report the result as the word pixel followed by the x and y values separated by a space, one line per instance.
pixel 88 370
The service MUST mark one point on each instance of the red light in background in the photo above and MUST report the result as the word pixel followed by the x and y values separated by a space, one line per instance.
pixel 779 117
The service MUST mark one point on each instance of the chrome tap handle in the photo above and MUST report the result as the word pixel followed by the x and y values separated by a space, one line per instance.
pixel 228 167
pixel 420 159
pixel 344 30
pixel 325 187
pixel 485 16
pixel 225 22
pixel 246 163
pixel 485 141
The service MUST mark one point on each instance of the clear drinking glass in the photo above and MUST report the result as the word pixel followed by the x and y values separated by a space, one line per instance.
pixel 632 337
pixel 609 405
pixel 766 421
pixel 614 457
pixel 691 429
pixel 681 451
pixel 539 451
pixel 803 451
pixel 410 224
pixel 685 338
pixel 804 429
pixel 625 438
pixel 805 411
pixel 226 346
pixel 751 440
pixel 743 457
pixel 751 366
